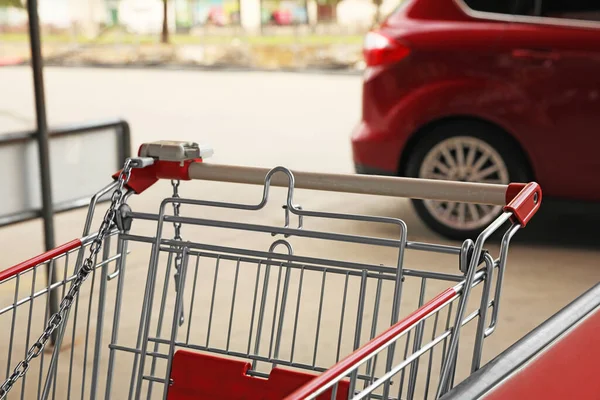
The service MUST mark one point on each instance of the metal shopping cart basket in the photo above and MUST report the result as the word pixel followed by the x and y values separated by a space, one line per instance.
pixel 228 301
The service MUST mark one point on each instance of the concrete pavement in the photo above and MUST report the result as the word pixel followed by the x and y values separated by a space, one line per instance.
pixel 300 121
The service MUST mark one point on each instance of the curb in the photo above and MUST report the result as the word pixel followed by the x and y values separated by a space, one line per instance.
pixel 208 68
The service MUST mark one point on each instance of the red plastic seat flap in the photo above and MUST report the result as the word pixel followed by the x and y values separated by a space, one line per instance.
pixel 201 376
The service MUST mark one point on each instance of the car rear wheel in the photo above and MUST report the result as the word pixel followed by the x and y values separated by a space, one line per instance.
pixel 466 151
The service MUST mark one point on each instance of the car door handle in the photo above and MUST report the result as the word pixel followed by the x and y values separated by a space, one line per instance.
pixel 534 54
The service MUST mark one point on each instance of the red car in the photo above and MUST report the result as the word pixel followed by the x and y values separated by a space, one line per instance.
pixel 484 90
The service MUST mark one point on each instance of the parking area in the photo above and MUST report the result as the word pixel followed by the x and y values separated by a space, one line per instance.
pixel 301 121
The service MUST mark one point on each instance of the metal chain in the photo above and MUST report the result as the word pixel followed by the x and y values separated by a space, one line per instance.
pixel 178 256
pixel 176 206
pixel 87 267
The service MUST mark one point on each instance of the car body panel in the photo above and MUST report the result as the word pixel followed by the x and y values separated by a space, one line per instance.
pixel 536 81
pixel 557 71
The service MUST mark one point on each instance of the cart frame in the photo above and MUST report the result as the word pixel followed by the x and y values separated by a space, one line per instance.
pixel 179 161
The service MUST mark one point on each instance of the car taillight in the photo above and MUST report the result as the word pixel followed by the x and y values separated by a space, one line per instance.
pixel 379 49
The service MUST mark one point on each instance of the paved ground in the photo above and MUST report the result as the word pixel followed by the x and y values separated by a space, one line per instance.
pixel 300 121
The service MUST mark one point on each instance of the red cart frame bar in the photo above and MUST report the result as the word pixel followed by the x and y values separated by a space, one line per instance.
pixel 344 367
pixel 39 259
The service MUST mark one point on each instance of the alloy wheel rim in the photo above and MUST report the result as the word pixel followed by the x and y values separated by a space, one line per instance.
pixel 467 159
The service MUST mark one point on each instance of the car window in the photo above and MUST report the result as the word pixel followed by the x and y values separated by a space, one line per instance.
pixel 531 8
pixel 492 6
pixel 567 10
pixel 587 10
pixel 510 7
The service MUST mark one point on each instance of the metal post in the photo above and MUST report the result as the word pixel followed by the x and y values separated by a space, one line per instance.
pixel 42 140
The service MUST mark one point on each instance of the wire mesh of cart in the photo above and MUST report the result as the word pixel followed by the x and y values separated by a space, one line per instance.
pixel 208 299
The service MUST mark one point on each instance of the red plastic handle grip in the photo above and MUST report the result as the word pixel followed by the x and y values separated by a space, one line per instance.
pixel 142 178
pixel 523 201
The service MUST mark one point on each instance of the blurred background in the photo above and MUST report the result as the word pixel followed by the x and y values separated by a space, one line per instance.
pixel 250 33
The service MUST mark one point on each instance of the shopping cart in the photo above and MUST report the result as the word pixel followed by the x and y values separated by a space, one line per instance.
pixel 233 304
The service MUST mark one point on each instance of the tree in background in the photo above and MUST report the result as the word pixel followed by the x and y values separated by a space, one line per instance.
pixel 164 37
pixel 11 3
pixel 377 17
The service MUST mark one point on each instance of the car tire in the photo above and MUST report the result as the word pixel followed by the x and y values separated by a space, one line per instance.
pixel 452 220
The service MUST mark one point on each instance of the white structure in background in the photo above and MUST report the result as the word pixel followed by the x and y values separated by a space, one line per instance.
pixel 61 14
pixel 12 17
pixel 356 13
pixel 145 16
pixel 139 16
pixel 361 13
pixel 250 15
pixel 87 15
pixel 312 11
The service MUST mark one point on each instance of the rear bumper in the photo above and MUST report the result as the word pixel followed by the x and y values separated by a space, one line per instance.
pixel 374 152
pixel 366 170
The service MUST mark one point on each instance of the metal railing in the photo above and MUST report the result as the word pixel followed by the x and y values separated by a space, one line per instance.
pixel 123 138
